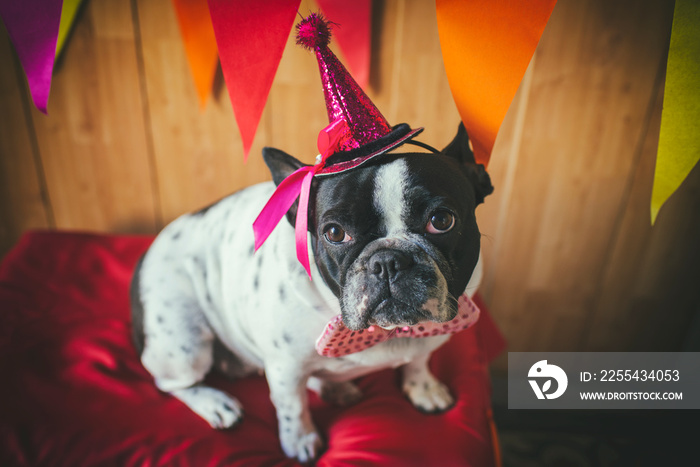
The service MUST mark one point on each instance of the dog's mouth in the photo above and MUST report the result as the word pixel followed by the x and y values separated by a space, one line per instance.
pixel 391 313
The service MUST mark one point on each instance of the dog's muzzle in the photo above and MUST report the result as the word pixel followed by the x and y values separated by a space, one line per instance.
pixel 395 282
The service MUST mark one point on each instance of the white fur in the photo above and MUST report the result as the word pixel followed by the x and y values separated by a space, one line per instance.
pixel 200 281
pixel 389 196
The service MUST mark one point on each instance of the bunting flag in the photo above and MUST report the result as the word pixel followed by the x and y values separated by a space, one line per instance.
pixel 486 47
pixel 33 29
pixel 353 33
pixel 68 13
pixel 200 44
pixel 251 36
pixel 679 137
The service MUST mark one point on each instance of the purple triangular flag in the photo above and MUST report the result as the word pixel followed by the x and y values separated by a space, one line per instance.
pixel 33 29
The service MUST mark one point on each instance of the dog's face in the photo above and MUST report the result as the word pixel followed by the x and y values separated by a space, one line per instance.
pixel 396 242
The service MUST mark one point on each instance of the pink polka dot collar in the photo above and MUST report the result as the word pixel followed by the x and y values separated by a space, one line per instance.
pixel 336 340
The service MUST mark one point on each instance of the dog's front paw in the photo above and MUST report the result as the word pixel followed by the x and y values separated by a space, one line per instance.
pixel 302 444
pixel 214 406
pixel 428 395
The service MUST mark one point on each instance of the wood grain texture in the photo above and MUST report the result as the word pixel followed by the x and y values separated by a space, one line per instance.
pixel 587 110
pixel 93 144
pixel 296 110
pixel 650 292
pixel 572 262
pixel 23 201
pixel 198 155
pixel 417 91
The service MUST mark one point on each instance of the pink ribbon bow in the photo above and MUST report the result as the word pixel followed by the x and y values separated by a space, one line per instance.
pixel 298 185
pixel 337 341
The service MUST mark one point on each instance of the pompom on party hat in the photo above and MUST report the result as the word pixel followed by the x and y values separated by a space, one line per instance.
pixel 368 133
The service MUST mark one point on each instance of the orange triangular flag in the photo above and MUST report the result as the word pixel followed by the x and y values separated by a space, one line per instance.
pixel 487 46
pixel 200 44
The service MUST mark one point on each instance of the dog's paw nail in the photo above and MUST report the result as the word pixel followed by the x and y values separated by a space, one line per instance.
pixel 216 407
pixel 304 447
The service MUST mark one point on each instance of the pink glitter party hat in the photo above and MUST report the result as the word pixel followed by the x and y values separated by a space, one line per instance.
pixel 367 133
pixel 357 133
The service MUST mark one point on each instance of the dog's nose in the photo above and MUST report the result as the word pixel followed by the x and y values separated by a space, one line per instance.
pixel 386 264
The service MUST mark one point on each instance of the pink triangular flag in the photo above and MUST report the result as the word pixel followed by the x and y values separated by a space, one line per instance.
pixel 33 29
pixel 251 36
pixel 353 34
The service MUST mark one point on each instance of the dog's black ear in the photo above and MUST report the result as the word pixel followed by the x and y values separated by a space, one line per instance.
pixel 282 165
pixel 460 150
pixel 459 147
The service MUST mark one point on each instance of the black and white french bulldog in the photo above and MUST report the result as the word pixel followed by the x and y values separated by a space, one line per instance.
pixel 394 244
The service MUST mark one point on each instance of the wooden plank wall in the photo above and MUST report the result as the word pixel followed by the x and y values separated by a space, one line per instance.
pixel 572 261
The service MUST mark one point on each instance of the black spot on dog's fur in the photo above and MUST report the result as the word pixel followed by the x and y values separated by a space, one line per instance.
pixel 206 209
pixel 276 343
pixel 160 319
pixel 176 235
pixel 287 338
pixel 283 293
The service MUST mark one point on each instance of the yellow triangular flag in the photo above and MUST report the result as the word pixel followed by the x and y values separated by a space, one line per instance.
pixel 679 138
pixel 68 12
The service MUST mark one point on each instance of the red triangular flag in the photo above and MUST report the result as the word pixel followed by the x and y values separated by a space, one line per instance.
pixel 251 35
pixel 33 29
pixel 353 34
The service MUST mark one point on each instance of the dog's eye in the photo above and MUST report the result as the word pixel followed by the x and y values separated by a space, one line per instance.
pixel 335 234
pixel 441 221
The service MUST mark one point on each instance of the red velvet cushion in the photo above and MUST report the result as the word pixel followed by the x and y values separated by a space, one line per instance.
pixel 73 392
